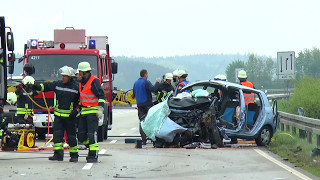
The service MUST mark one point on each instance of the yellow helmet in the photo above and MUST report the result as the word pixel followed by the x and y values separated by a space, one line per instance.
pixel 242 74
pixel 28 80
pixel 84 66
pixel 11 98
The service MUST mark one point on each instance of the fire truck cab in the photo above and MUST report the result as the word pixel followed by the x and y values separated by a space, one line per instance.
pixel 70 47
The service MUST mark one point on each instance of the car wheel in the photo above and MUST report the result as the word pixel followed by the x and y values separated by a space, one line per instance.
pixel 264 137
pixel 216 138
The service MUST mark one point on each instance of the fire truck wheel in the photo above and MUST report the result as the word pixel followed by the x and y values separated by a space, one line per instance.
pixel 105 133
pixel 29 140
pixel 101 130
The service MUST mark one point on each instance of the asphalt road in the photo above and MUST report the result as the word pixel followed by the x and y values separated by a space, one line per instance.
pixel 120 160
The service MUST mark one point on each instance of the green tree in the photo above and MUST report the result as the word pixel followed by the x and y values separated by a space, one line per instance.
pixel 230 70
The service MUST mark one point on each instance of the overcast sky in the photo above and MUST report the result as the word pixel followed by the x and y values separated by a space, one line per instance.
pixel 173 27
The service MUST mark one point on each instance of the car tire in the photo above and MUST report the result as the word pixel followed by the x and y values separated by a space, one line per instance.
pixel 216 137
pixel 264 136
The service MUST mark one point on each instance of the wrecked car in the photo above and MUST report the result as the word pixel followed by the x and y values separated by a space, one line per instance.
pixel 211 112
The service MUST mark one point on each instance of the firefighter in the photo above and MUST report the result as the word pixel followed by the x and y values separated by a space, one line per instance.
pixel 242 76
pixel 182 76
pixel 24 104
pixel 164 88
pixel 175 78
pixel 92 100
pixel 65 111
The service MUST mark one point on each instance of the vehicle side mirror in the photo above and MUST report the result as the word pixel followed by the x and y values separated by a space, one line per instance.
pixel 11 57
pixel 114 67
pixel 10 41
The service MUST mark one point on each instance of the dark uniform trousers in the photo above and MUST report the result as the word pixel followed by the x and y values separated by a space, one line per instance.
pixel 88 128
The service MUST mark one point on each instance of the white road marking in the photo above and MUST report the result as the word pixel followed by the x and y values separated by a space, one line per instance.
pixel 295 172
pixel 132 129
pixel 102 151
pixel 122 134
pixel 87 166
pixel 113 141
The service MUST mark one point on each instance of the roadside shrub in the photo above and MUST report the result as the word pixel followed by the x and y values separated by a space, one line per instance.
pixel 307 96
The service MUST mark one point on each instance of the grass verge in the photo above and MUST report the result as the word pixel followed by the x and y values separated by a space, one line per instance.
pixel 296 150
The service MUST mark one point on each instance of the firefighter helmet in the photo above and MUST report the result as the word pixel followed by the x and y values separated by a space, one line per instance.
pixel 28 80
pixel 242 74
pixel 66 70
pixel 182 73
pixel 223 77
pixel 11 98
pixel 84 66
pixel 175 72
pixel 169 76
pixel 217 77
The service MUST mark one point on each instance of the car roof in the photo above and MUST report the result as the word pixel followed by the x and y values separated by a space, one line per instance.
pixel 225 84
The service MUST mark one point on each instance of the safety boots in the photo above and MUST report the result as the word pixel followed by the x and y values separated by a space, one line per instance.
pixel 73 157
pixel 92 157
pixel 57 156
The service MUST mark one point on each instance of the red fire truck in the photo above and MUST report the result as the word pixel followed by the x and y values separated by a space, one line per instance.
pixel 70 47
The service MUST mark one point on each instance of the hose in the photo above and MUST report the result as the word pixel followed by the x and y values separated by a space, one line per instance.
pixel 49 115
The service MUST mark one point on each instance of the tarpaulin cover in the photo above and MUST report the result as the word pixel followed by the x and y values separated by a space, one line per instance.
pixel 151 125
pixel 169 130
pixel 200 93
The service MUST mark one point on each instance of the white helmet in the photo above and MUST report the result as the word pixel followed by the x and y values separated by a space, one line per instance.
pixel 28 80
pixel 223 77
pixel 11 98
pixel 217 77
pixel 242 74
pixel 68 71
pixel 175 72
pixel 181 73
pixel 169 76
pixel 84 66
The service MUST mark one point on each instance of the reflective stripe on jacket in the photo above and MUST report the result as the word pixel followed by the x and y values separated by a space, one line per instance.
pixel 248 98
pixel 87 97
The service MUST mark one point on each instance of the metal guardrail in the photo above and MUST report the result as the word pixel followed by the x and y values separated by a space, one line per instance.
pixel 277 96
pixel 306 126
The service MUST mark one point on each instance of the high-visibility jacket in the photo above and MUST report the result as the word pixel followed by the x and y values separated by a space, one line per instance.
pixel 87 97
pixel 248 98
pixel 24 104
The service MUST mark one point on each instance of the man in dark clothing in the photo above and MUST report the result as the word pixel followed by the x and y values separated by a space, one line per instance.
pixel 142 89
pixel 164 88
pixel 24 104
pixel 66 102
pixel 92 100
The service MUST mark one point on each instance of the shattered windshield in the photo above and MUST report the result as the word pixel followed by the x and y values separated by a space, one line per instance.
pixel 47 65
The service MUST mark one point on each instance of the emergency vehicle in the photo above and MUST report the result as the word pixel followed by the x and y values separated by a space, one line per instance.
pixel 70 47
pixel 6 43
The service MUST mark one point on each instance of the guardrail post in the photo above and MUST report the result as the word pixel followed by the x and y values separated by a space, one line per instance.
pixel 318 140
pixel 309 134
pixel 294 130
pixel 287 128
pixel 282 127
pixel 302 133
